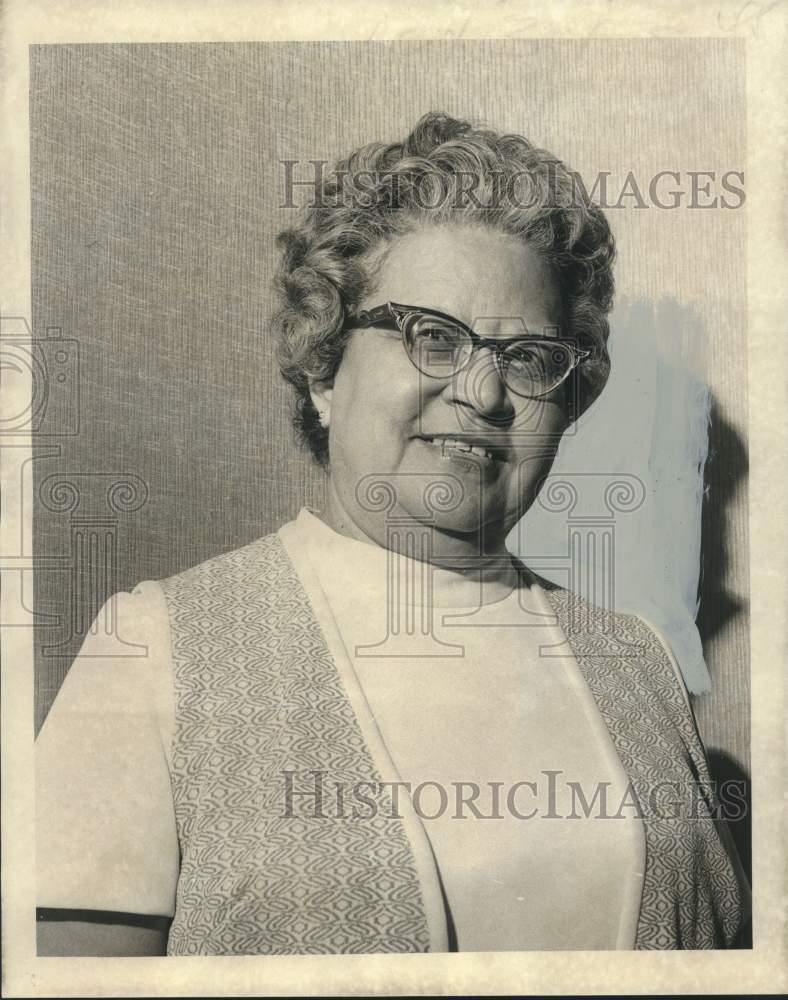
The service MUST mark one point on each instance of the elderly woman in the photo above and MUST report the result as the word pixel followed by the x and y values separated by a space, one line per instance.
pixel 375 730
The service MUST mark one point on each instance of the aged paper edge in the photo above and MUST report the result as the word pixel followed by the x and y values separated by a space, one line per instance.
pixel 763 27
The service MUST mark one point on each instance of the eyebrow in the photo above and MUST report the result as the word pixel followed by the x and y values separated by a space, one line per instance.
pixel 513 337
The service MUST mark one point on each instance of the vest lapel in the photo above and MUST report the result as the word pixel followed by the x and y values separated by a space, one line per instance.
pixel 269 867
pixel 691 894
pixel 429 880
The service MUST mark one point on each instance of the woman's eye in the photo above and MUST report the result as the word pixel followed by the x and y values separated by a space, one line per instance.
pixel 438 335
pixel 527 356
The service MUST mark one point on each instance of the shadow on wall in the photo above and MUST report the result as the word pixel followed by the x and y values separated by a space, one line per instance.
pixel 726 773
pixel 725 476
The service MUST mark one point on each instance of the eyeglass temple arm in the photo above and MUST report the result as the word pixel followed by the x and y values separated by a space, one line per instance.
pixel 367 317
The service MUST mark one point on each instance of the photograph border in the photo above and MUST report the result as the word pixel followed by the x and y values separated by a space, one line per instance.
pixel 763 969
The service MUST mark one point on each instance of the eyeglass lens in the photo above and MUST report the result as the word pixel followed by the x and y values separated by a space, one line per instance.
pixel 440 348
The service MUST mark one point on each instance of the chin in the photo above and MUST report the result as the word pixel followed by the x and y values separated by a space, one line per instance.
pixel 466 521
pixel 453 504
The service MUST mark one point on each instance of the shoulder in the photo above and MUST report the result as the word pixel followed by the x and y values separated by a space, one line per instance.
pixel 126 644
pixel 119 687
pixel 261 555
pixel 585 617
pixel 619 637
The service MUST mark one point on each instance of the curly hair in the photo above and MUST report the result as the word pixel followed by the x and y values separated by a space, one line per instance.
pixel 445 171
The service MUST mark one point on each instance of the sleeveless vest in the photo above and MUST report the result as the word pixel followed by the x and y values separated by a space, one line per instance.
pixel 268 728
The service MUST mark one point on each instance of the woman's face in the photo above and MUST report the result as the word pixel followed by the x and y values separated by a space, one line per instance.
pixel 389 422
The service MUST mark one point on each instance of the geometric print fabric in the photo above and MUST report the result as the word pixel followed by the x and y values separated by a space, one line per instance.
pixel 258 696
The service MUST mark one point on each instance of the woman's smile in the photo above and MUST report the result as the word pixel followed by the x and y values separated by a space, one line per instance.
pixel 464 454
pixel 390 420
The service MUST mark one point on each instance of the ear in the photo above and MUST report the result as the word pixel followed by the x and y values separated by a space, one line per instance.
pixel 321 398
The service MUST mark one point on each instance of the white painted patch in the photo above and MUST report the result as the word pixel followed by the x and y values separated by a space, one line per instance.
pixel 651 422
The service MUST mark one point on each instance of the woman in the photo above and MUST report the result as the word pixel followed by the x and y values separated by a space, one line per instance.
pixel 375 730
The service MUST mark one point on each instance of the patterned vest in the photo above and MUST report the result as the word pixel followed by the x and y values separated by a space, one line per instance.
pixel 263 712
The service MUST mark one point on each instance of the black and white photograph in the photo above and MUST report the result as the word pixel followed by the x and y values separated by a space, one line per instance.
pixel 385 543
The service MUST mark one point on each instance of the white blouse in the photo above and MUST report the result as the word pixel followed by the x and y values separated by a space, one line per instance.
pixel 484 714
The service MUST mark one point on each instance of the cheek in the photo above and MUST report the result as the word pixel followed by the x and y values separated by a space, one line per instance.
pixel 537 422
pixel 374 409
pixel 536 448
pixel 387 382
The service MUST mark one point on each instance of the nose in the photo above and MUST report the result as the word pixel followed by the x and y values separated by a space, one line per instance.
pixel 479 385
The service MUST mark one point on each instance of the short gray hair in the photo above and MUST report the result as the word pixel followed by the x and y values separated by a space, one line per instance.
pixel 446 170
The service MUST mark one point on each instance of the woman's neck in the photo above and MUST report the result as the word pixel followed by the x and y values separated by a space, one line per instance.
pixel 476 555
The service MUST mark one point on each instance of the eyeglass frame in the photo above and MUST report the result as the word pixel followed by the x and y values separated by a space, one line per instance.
pixel 394 311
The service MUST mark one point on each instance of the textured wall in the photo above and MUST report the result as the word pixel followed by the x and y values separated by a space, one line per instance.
pixel 157 194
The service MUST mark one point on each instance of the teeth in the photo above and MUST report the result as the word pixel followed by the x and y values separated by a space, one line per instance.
pixel 453 444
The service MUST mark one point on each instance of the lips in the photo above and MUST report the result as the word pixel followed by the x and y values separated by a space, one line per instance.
pixel 466 446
